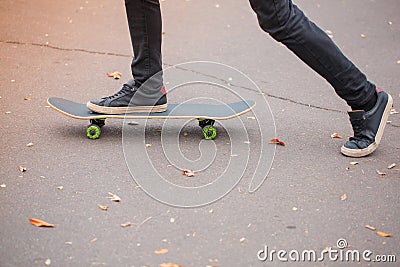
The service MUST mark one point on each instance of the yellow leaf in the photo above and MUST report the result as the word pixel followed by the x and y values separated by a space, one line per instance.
pixel 383 234
pixel 115 74
pixel 343 197
pixel 103 207
pixel 188 173
pixel 363 36
pixel 40 223
pixel 161 251
pixel 336 135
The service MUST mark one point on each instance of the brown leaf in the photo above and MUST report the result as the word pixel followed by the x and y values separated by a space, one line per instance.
pixel 27 99
pixel 391 166
pixel 40 223
pixel 170 265
pixel 336 135
pixel 161 251
pixel 380 173
pixel 114 197
pixel 343 197
pixel 363 36
pixel 383 234
pixel 127 224
pixel 188 173
pixel 242 240
pixel 22 169
pixel 115 74
pixel 276 141
pixel 370 227
pixel 103 207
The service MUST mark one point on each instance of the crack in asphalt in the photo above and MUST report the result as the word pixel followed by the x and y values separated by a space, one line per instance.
pixel 81 50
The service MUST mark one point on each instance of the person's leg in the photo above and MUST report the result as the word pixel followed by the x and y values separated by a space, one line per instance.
pixel 287 24
pixel 145 26
pixel 146 91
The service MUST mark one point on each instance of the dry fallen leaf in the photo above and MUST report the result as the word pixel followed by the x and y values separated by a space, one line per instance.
pixel 114 197
pixel 161 251
pixel 383 234
pixel 370 227
pixel 47 262
pixel 380 173
pixel 148 145
pixel 22 169
pixel 242 240
pixel 3 185
pixel 363 36
pixel 170 265
pixel 60 187
pixel 343 197
pixel 127 224
pixel 40 223
pixel 29 144
pixel 276 141
pixel 188 173
pixel 103 207
pixel 115 74
pixel 336 135
pixel 27 99
pixel 391 166
pixel 393 111
pixel 353 163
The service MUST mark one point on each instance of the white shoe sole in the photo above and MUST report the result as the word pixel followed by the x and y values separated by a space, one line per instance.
pixel 358 153
pixel 123 110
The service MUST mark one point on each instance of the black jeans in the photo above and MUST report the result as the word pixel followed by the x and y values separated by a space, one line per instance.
pixel 283 20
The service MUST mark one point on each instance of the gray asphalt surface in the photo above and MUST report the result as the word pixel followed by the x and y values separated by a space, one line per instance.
pixel 312 197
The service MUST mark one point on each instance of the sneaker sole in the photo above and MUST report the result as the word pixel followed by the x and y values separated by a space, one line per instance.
pixel 358 153
pixel 123 110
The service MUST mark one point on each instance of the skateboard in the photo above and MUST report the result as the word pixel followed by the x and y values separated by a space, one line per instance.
pixel 206 114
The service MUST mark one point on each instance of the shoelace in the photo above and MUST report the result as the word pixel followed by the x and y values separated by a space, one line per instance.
pixel 120 92
pixel 358 126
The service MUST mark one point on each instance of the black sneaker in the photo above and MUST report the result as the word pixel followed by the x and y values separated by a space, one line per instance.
pixel 122 101
pixel 368 127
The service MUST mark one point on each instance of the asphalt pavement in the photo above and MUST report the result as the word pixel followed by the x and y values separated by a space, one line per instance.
pixel 312 198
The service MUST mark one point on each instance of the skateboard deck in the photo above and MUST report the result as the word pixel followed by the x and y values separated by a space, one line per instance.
pixel 205 113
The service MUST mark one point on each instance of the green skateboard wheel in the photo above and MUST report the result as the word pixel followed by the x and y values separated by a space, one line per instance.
pixel 93 131
pixel 209 132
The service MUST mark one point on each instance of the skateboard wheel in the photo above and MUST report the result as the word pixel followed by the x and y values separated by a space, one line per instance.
pixel 209 132
pixel 93 131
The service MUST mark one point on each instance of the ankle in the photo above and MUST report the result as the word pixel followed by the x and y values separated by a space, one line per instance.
pixel 368 105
